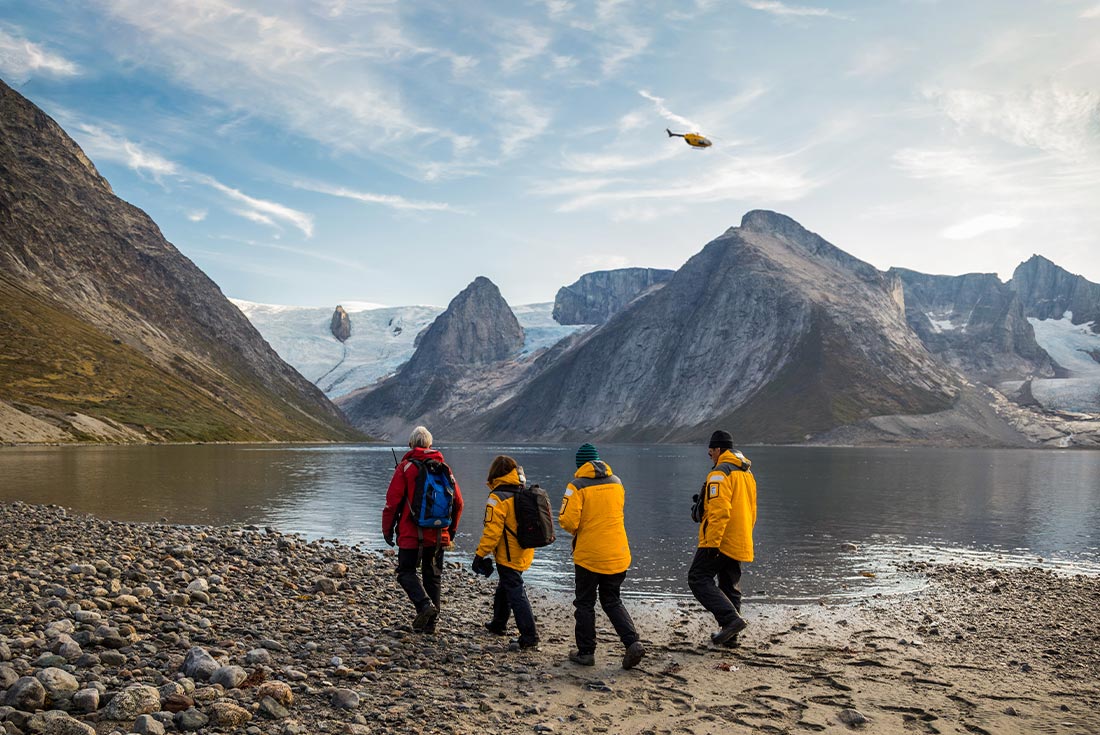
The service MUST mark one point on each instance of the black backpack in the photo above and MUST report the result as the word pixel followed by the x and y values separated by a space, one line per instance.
pixel 534 519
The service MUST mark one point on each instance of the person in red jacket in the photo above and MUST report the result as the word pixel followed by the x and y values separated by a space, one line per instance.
pixel 416 546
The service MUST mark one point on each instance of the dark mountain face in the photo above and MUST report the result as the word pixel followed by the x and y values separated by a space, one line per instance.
pixel 595 297
pixel 975 323
pixel 100 315
pixel 1048 291
pixel 476 333
pixel 770 332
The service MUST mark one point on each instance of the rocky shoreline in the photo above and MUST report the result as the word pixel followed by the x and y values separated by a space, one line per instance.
pixel 109 627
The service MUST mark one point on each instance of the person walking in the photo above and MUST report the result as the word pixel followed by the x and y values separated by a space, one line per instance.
pixel 592 511
pixel 499 539
pixel 726 511
pixel 419 546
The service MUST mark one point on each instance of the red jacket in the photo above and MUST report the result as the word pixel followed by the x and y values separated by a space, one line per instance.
pixel 400 494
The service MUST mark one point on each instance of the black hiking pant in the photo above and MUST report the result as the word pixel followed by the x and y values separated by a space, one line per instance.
pixel 511 599
pixel 431 569
pixel 589 585
pixel 723 600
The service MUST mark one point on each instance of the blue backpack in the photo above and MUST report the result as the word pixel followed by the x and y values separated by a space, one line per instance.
pixel 433 500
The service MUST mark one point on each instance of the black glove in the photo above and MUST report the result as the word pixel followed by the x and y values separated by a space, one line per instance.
pixel 482 565
pixel 388 537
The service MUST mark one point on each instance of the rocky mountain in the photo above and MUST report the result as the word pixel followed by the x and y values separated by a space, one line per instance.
pixel 975 323
pixel 108 331
pixel 340 325
pixel 770 331
pixel 476 333
pixel 1048 291
pixel 596 296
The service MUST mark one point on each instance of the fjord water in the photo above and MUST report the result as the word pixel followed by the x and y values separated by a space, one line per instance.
pixel 829 518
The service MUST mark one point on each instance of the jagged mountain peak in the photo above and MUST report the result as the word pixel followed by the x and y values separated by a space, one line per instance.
pixel 478 328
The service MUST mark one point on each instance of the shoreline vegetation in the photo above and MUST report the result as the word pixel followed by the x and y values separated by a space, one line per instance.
pixel 112 627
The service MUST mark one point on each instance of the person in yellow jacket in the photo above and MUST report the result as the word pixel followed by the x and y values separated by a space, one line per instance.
pixel 499 539
pixel 726 511
pixel 592 511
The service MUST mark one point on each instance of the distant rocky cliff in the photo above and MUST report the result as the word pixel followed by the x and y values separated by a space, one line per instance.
pixel 340 326
pixel 770 331
pixel 975 323
pixel 109 332
pixel 476 333
pixel 1048 291
pixel 596 296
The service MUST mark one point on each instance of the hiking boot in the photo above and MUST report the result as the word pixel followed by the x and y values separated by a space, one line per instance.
pixel 582 659
pixel 729 630
pixel 634 654
pixel 493 629
pixel 732 643
pixel 522 645
pixel 425 617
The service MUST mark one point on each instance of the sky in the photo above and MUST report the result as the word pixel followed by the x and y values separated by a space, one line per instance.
pixel 314 152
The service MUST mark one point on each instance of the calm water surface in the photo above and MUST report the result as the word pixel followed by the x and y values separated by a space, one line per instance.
pixel 1003 507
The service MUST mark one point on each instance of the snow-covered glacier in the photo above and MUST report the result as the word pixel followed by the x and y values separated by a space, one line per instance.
pixel 382 338
pixel 1076 349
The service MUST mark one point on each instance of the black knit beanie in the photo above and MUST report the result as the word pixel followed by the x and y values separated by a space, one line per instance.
pixel 721 440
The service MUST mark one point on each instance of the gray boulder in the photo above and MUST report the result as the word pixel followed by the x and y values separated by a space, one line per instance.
pixel 198 664
pixel 59 684
pixel 131 702
pixel 86 700
pixel 148 725
pixel 55 722
pixel 26 695
pixel 229 677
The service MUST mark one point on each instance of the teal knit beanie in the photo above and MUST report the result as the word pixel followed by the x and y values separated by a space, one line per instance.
pixel 587 453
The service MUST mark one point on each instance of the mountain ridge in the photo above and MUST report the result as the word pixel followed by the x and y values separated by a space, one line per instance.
pixel 104 271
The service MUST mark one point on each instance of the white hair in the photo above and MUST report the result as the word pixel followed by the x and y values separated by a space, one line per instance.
pixel 420 437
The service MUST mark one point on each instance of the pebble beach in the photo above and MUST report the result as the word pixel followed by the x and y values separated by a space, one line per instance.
pixel 111 627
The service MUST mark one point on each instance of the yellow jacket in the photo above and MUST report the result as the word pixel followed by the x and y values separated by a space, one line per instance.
pixel 500 514
pixel 729 510
pixel 592 510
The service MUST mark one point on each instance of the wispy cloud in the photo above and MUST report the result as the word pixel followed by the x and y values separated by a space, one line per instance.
pixel 386 200
pixel 1050 118
pixel 759 178
pixel 284 69
pixel 197 215
pixel 1093 12
pixel 783 9
pixel 981 225
pixel 521 120
pixel 602 163
pixel 262 210
pixel 104 145
pixel 666 113
pixel 21 59
pixel 99 143
pixel 522 43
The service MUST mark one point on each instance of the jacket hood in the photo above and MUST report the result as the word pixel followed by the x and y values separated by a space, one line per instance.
pixel 594 470
pixel 422 454
pixel 512 478
pixel 734 457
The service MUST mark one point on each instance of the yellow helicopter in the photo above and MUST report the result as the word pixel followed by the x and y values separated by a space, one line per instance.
pixel 693 139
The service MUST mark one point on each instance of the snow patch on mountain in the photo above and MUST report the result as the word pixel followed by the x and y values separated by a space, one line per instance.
pixel 382 338
pixel 1076 348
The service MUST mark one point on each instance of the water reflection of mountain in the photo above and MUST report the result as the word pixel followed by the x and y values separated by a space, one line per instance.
pixel 890 503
